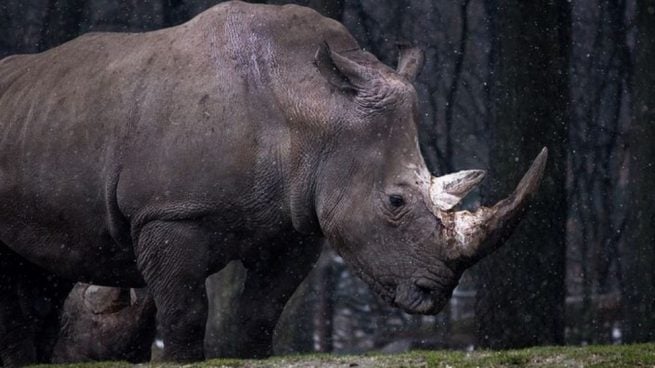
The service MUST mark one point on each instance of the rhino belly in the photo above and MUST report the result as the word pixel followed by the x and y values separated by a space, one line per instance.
pixel 70 240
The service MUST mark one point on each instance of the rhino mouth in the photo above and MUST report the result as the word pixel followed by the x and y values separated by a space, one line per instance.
pixel 421 296
pixel 415 296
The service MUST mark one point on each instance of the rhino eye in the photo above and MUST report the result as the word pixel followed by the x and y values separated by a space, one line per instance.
pixel 396 200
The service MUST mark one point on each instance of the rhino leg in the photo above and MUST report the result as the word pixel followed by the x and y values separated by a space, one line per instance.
pixel 270 283
pixel 30 303
pixel 173 258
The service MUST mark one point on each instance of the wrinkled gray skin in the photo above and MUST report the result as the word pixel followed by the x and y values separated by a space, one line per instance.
pixel 248 133
pixel 105 323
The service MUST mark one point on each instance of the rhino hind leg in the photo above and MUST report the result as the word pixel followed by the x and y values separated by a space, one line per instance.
pixel 30 303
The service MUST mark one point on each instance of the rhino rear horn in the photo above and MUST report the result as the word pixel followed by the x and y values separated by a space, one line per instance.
pixel 448 190
pixel 410 62
pixel 339 70
pixel 476 234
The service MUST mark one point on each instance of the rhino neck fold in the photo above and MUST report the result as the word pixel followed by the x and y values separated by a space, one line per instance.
pixel 304 167
pixel 305 151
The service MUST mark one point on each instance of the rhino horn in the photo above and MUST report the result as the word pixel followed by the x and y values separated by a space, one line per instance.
pixel 473 235
pixel 448 190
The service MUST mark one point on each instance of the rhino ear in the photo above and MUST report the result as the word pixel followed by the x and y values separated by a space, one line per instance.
pixel 340 71
pixel 410 61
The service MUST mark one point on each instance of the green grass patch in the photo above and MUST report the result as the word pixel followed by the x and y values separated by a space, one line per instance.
pixel 640 355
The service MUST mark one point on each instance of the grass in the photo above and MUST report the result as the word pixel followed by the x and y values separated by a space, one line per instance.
pixel 640 355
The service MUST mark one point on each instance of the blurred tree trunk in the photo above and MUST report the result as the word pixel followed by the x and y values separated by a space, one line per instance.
pixel 21 25
pixel 324 281
pixel 639 287
pixel 295 330
pixel 223 289
pixel 521 288
pixel 453 89
pixel 597 154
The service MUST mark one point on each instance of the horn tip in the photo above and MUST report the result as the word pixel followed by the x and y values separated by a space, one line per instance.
pixel 480 174
pixel 541 159
pixel 532 178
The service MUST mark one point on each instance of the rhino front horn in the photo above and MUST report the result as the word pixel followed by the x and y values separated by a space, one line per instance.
pixel 473 235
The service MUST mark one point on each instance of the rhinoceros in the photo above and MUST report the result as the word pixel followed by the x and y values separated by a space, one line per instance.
pixel 249 133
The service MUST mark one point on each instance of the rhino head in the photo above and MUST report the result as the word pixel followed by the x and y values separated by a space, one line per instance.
pixel 376 202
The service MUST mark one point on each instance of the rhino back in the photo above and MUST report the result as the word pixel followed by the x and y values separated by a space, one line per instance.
pixel 111 128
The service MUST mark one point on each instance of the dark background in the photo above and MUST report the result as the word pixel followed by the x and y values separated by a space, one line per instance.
pixel 502 79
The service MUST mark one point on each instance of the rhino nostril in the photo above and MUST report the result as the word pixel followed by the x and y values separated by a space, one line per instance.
pixel 425 286
pixel 424 290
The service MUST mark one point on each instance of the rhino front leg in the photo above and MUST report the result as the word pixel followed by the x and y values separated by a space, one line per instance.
pixel 271 281
pixel 173 258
